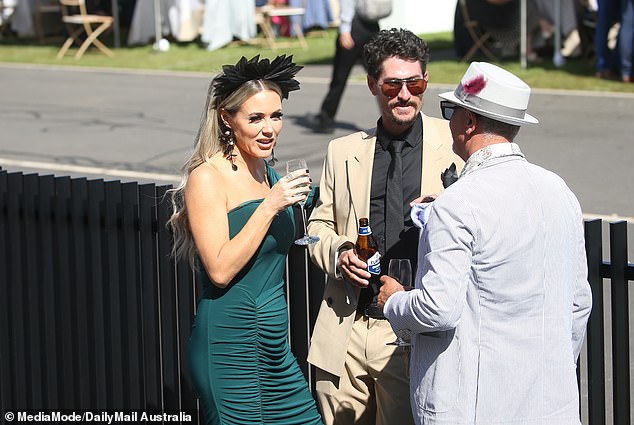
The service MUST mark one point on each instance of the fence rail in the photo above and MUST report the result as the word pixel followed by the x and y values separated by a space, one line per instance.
pixel 96 316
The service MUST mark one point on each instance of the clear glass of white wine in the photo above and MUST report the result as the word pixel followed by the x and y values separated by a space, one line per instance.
pixel 291 166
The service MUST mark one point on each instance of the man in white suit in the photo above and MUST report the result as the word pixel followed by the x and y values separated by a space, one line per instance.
pixel 360 380
pixel 501 296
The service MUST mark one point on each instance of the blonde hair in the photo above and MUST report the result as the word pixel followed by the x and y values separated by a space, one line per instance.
pixel 207 144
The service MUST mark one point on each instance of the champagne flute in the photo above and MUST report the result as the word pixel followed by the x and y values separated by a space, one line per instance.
pixel 401 270
pixel 294 165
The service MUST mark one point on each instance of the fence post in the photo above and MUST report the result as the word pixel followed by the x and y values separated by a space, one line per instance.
pixel 168 306
pixel 132 330
pixel 32 289
pixel 150 307
pixel 95 253
pixel 82 284
pixel 6 393
pixel 15 293
pixel 595 334
pixel 46 247
pixel 620 323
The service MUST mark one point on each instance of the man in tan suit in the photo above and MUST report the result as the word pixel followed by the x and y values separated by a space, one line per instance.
pixel 360 379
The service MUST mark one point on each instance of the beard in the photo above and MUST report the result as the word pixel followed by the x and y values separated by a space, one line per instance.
pixel 404 120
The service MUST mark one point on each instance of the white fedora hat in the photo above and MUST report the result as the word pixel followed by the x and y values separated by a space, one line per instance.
pixel 494 92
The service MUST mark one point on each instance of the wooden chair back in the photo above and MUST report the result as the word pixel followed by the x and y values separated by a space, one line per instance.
pixel 74 13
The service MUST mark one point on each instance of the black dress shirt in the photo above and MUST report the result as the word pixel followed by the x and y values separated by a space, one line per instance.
pixel 412 154
pixel 407 247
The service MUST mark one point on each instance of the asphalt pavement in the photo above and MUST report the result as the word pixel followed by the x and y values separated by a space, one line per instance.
pixel 140 126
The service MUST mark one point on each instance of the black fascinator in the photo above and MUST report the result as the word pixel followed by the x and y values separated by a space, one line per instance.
pixel 280 70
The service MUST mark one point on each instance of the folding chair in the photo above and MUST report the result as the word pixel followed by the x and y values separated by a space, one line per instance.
pixel 490 23
pixel 478 35
pixel 85 22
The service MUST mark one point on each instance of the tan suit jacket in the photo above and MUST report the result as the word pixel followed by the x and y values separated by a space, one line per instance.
pixel 344 198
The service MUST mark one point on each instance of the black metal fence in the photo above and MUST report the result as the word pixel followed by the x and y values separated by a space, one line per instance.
pixel 95 316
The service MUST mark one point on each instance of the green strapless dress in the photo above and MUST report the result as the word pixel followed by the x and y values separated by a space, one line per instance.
pixel 240 360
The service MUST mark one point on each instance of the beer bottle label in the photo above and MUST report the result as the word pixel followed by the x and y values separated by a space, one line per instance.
pixel 364 231
pixel 374 264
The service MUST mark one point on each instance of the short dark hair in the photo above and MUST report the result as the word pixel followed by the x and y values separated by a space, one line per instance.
pixel 395 42
pixel 490 126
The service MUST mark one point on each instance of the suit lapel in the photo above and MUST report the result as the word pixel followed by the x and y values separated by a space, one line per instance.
pixel 431 158
pixel 361 159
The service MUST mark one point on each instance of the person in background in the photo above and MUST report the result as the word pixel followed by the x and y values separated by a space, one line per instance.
pixel 606 59
pixel 501 298
pixel 359 379
pixel 354 32
pixel 232 212
pixel 541 26
pixel 626 39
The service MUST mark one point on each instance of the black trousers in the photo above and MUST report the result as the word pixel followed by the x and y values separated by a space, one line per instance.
pixel 345 59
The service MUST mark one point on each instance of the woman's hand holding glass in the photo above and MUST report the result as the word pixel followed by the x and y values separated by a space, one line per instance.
pixel 288 190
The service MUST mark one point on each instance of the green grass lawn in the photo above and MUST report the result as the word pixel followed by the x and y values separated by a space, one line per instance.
pixel 577 74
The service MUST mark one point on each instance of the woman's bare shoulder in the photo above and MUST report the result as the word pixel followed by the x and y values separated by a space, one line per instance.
pixel 207 171
pixel 213 170
pixel 206 180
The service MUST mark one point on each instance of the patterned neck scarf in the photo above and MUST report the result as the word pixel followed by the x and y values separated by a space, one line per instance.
pixel 488 153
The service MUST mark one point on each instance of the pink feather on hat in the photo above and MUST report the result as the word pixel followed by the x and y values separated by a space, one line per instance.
pixel 475 85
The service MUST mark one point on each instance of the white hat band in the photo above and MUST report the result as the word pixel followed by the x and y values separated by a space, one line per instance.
pixel 487 105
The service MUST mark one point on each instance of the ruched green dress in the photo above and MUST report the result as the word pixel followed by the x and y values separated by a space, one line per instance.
pixel 240 360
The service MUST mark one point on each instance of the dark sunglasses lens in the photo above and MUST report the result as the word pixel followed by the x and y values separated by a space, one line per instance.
pixel 416 87
pixel 393 88
pixel 447 110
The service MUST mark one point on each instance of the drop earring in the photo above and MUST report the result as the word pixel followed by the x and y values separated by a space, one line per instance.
pixel 228 145
pixel 273 159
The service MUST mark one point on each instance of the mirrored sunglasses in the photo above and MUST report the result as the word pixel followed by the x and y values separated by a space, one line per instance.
pixel 392 87
pixel 447 109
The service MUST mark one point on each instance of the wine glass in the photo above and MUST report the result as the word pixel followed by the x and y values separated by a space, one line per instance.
pixel 401 270
pixel 294 165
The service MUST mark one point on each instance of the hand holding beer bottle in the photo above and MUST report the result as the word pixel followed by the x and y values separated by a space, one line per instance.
pixel 367 250
pixel 360 264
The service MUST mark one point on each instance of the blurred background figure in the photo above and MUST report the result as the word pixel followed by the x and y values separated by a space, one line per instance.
pixel 606 57
pixel 541 27
pixel 496 24
pixel 281 24
pixel 626 39
pixel 318 14
pixel 355 30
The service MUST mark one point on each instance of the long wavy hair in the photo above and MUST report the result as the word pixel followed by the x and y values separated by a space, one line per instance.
pixel 207 144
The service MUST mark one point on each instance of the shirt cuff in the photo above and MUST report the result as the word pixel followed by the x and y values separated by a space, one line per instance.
pixel 397 323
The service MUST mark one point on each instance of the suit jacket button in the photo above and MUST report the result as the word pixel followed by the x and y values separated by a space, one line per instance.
pixel 329 301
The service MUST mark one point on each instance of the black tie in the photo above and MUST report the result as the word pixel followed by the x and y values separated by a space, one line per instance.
pixel 394 196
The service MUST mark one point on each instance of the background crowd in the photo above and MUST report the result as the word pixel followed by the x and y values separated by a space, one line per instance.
pixel 601 31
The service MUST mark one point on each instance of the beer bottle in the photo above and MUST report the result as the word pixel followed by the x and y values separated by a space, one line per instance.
pixel 368 250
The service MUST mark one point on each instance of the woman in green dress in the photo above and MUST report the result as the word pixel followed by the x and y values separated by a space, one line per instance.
pixel 232 213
